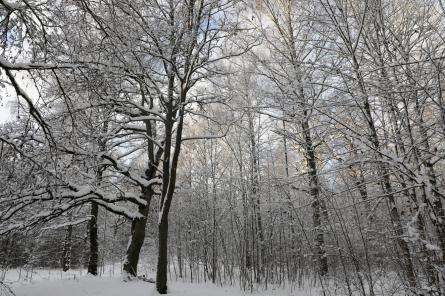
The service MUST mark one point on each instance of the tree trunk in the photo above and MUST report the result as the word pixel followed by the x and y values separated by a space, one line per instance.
pixel 92 225
pixel 170 164
pixel 317 204
pixel 137 236
pixel 434 196
pixel 393 211
pixel 66 254
pixel 256 203
pixel 161 272
pixel 94 245
pixel 386 181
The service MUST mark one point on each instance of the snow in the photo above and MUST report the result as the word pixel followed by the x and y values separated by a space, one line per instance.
pixel 432 247
pixel 12 5
pixel 57 226
pixel 87 285
pixel 29 65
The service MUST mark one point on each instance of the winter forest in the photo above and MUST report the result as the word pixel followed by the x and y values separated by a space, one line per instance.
pixel 261 146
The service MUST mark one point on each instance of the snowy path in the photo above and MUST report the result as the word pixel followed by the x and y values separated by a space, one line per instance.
pixel 96 286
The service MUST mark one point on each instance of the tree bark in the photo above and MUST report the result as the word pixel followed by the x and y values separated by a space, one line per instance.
pixel 66 254
pixel 94 244
pixel 387 187
pixel 317 204
pixel 170 164
pixel 256 203
pixel 161 271
pixel 136 241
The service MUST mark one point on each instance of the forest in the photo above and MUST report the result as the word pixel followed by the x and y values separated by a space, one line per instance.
pixel 245 143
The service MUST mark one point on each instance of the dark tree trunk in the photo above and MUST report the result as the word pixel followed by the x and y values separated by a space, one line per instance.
pixel 94 244
pixel 317 205
pixel 161 272
pixel 66 255
pixel 137 237
pixel 170 164
pixel 92 225
pixel 386 181
pixel 138 225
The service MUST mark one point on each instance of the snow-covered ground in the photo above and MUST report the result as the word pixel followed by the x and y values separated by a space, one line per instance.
pixel 54 282
pixel 97 286
pixel 77 283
